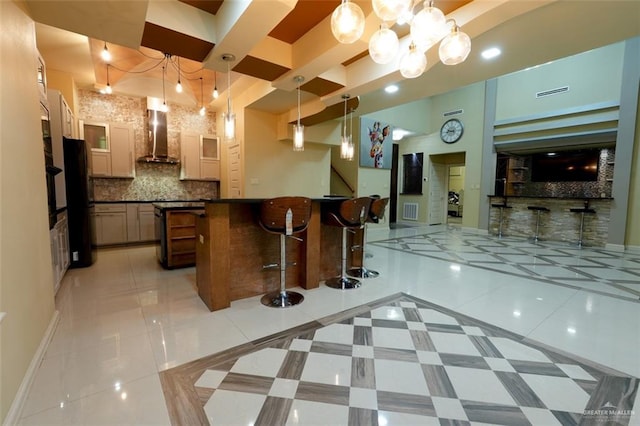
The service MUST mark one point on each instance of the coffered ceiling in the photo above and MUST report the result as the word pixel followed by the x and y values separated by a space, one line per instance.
pixel 275 40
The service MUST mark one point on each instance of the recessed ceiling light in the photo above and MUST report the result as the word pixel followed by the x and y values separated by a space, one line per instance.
pixel 392 88
pixel 491 53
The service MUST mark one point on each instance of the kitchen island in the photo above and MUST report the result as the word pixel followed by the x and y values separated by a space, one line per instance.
pixel 232 250
pixel 175 224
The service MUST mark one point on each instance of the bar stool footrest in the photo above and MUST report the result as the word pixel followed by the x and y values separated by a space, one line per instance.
pixel 343 283
pixel 362 273
pixel 281 299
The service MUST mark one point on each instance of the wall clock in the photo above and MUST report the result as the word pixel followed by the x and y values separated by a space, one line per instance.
pixel 451 131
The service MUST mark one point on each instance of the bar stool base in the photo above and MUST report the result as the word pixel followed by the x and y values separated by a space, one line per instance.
pixel 281 299
pixel 362 273
pixel 343 283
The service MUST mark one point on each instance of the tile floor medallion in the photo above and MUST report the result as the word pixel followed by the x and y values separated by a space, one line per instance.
pixel 594 270
pixel 396 361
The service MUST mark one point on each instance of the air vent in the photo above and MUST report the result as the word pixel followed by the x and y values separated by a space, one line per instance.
pixel 410 211
pixel 450 113
pixel 552 92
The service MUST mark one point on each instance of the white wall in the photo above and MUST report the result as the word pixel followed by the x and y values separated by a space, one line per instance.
pixel 26 281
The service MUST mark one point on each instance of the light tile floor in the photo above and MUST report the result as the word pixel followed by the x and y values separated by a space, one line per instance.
pixel 125 319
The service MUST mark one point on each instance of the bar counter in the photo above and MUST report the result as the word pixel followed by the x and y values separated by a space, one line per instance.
pixel 561 223
pixel 232 249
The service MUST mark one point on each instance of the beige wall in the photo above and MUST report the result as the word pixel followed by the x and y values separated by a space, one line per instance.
pixel 273 169
pixel 632 237
pixel 26 281
pixel 471 100
pixel 584 74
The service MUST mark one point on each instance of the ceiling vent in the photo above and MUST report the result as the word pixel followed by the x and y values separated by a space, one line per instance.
pixel 552 92
pixel 455 112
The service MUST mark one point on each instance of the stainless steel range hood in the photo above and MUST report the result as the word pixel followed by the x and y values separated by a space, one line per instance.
pixel 157 140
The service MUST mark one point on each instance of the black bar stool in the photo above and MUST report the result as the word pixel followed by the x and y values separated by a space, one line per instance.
pixel 538 210
pixel 351 215
pixel 501 206
pixel 376 212
pixel 582 211
pixel 284 216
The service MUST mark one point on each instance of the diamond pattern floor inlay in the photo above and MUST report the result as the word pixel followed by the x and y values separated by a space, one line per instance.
pixel 590 269
pixel 397 361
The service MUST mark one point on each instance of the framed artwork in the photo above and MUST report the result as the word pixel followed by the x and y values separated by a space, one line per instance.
pixel 375 144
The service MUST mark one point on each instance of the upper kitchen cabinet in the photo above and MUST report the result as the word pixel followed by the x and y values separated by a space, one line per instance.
pixel 112 148
pixel 200 157
pixel 62 124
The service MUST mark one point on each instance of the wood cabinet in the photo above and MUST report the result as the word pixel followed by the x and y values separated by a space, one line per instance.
pixel 62 124
pixel 111 224
pixel 181 237
pixel 200 157
pixel 112 148
pixel 60 259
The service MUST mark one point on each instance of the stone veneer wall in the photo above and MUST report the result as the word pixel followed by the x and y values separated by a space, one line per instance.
pixel 557 225
pixel 152 181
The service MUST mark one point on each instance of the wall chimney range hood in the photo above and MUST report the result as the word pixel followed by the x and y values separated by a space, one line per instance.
pixel 157 141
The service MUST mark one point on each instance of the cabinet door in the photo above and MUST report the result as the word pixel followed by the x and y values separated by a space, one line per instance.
pixel 147 225
pixel 133 222
pixel 209 147
pixel 209 169
pixel 122 150
pixel 100 163
pixel 113 228
pixel 190 153
pixel 67 119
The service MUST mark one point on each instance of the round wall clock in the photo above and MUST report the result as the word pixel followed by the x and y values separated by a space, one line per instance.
pixel 451 131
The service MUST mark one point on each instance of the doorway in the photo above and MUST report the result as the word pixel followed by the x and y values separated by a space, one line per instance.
pixel 455 198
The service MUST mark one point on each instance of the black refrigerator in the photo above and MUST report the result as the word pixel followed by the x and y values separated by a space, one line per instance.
pixel 82 247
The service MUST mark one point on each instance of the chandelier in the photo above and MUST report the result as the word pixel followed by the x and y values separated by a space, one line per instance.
pixel 427 24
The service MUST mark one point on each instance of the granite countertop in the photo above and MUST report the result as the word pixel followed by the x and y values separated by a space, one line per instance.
pixel 550 197
pixel 259 200
pixel 179 205
pixel 144 201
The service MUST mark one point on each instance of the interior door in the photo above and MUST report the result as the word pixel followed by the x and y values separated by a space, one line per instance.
pixel 437 189
pixel 234 173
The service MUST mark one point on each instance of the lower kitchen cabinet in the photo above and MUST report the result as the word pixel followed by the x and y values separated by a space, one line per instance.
pixel 60 259
pixel 111 224
pixel 140 222
pixel 181 238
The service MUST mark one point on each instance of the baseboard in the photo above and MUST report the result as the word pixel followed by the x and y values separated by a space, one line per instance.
pixel 15 411
pixel 633 249
pixel 614 247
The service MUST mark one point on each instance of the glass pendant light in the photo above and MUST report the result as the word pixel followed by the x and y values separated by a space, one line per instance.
pixel 428 26
pixel 179 85
pixel 347 22
pixel 202 109
pixel 413 63
pixel 229 117
pixel 164 107
pixel 390 10
pixel 105 54
pixel 346 147
pixel 298 129
pixel 383 45
pixel 215 86
pixel 455 47
pixel 108 89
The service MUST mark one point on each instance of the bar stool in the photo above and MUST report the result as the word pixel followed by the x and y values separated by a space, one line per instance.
pixel 501 206
pixel 284 216
pixel 537 209
pixel 351 215
pixel 582 211
pixel 376 212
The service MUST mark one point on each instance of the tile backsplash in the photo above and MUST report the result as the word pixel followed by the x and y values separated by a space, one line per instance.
pixel 153 181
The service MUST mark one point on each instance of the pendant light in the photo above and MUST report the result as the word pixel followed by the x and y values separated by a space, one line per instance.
pixel 298 129
pixel 105 54
pixel 383 45
pixel 179 85
pixel 164 107
pixel 350 148
pixel 229 117
pixel 391 10
pixel 455 47
pixel 215 86
pixel 108 89
pixel 413 63
pixel 202 109
pixel 428 26
pixel 347 22
pixel 346 147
